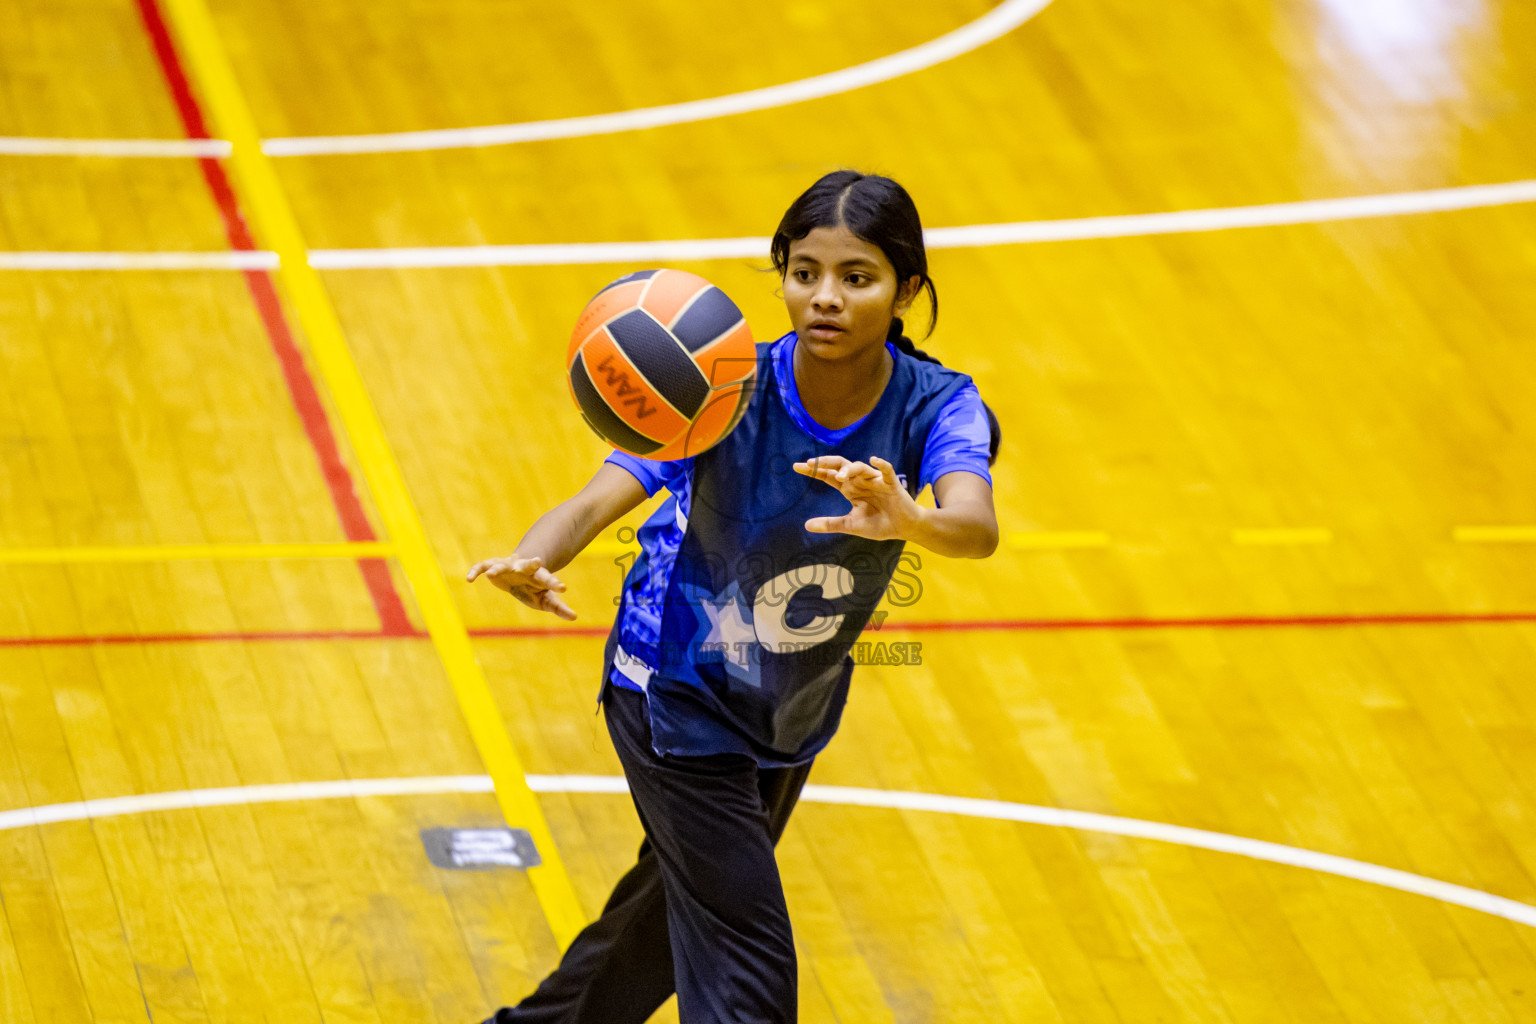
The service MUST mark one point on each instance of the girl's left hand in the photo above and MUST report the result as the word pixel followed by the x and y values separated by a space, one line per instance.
pixel 882 508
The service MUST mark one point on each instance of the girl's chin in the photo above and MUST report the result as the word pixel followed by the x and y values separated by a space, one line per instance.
pixel 831 344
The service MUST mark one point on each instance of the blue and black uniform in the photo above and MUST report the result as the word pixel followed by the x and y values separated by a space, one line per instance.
pixel 725 673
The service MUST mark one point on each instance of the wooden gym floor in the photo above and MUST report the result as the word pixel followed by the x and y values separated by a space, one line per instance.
pixel 1268 496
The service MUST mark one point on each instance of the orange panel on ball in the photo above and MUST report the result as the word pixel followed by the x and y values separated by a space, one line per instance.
pixel 628 393
pixel 670 291
pixel 730 358
pixel 604 307
pixel 718 418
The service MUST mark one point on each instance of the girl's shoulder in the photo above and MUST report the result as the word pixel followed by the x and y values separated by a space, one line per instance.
pixel 931 377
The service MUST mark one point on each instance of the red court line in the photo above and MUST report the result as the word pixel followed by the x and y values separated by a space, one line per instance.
pixel 958 626
pixel 1055 625
pixel 306 398
pixel 186 638
pixel 1220 622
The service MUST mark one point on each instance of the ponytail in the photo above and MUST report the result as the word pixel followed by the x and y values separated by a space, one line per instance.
pixel 996 431
pixel 897 337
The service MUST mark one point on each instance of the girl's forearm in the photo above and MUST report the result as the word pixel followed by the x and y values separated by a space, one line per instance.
pixel 559 535
pixel 958 531
pixel 564 531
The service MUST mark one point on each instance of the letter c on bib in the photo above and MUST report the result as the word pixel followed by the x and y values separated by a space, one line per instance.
pixel 769 614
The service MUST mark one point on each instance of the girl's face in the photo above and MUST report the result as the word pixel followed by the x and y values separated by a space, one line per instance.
pixel 842 293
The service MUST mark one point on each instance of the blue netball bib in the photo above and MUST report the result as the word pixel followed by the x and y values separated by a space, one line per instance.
pixel 759 614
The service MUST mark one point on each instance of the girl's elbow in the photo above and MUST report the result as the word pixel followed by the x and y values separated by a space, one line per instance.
pixel 986 540
pixel 990 546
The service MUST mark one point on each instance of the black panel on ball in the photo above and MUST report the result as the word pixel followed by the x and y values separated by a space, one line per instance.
pixel 603 419
pixel 711 315
pixel 639 275
pixel 661 360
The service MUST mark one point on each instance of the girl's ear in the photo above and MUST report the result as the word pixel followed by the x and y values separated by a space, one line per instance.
pixel 906 293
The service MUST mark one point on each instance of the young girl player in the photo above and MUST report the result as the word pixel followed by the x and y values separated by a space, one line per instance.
pixel 728 663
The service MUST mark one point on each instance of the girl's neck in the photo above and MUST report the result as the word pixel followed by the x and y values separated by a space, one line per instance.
pixel 836 394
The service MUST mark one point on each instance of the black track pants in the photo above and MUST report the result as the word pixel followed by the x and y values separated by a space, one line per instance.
pixel 701 913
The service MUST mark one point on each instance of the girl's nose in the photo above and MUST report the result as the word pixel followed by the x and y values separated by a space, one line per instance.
pixel 827 297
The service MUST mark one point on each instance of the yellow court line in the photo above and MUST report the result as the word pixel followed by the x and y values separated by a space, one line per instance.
pixel 1277 538
pixel 1495 534
pixel 191 552
pixel 275 226
pixel 1057 539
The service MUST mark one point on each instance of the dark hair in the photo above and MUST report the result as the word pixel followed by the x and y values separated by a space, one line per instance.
pixel 879 211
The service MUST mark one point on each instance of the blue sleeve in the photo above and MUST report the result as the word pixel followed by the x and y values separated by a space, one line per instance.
pixel 653 475
pixel 960 439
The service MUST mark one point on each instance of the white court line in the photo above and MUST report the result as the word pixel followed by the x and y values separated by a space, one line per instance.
pixel 999 810
pixel 559 254
pixel 277 793
pixel 997 22
pixel 13 146
pixel 1311 211
pixel 221 260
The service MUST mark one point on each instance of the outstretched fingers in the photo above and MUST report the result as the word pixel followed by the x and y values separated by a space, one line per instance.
pixel 830 524
pixel 840 472
pixel 822 467
pixel 549 601
pixel 886 470
pixel 513 571
pixel 540 576
pixel 526 579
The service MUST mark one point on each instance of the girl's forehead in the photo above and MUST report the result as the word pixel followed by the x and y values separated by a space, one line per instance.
pixel 836 245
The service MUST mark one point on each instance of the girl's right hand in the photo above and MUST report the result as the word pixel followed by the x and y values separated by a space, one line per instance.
pixel 527 580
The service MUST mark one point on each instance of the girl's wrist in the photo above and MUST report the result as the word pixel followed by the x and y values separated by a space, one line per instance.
pixel 920 527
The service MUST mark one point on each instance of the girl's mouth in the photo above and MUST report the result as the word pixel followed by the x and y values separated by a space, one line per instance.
pixel 824 332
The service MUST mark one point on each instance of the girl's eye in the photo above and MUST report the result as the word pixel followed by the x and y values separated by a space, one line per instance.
pixel 802 275
pixel 858 280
